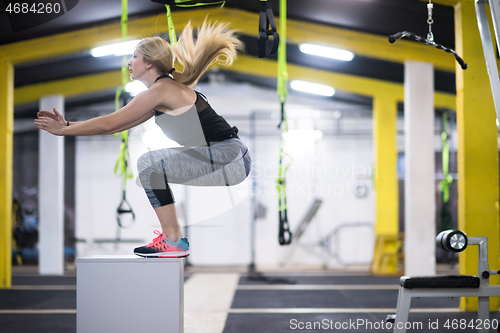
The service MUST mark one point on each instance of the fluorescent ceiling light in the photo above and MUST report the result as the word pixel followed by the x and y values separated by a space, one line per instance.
pixel 135 87
pixel 325 51
pixel 115 49
pixel 302 136
pixel 312 88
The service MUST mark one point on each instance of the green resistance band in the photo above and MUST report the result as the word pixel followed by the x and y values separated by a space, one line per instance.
pixel 285 235
pixel 445 183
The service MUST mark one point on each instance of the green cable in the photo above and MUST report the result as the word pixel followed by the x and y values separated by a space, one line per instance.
pixel 282 68
pixel 171 28
pixel 178 3
pixel 445 183
pixel 282 96
pixel 121 165
pixel 124 24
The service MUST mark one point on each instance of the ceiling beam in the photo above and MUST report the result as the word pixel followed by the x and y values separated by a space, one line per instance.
pixel 362 44
pixel 445 2
pixel 243 64
pixel 75 86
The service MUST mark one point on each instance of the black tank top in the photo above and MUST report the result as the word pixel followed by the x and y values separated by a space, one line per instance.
pixel 199 125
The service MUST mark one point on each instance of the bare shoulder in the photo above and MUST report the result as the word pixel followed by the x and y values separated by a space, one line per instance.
pixel 172 95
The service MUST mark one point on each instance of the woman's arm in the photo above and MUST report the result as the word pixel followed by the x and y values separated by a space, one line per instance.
pixel 132 114
pixel 146 117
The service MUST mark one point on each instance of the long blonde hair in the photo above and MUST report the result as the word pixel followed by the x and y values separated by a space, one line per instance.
pixel 214 43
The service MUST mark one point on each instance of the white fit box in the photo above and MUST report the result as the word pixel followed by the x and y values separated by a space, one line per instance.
pixel 129 294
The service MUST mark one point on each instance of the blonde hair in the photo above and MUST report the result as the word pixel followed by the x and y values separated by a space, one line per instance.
pixel 214 43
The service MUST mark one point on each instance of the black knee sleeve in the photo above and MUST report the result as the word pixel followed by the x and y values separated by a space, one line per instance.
pixel 161 189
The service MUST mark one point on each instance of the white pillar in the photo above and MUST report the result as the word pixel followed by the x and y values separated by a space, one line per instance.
pixel 51 195
pixel 420 206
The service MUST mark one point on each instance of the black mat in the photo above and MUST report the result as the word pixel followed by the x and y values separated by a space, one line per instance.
pixel 37 323
pixel 44 280
pixel 37 299
pixel 325 280
pixel 363 323
pixel 331 299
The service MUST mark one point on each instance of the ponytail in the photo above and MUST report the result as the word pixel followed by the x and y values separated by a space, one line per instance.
pixel 214 43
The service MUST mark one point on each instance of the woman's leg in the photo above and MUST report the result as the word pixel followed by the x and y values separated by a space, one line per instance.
pixel 169 223
pixel 200 166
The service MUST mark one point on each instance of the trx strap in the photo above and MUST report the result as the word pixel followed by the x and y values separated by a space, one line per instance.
pixel 171 29
pixel 445 183
pixel 182 3
pixel 445 218
pixel 266 20
pixel 285 235
pixel 190 3
pixel 121 166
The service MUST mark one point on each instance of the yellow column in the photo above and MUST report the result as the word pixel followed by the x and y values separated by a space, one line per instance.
pixel 6 133
pixel 477 149
pixel 385 259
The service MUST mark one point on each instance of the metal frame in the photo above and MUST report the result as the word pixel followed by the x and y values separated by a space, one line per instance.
pixel 489 52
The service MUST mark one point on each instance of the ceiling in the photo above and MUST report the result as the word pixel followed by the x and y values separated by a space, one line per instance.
pixel 379 17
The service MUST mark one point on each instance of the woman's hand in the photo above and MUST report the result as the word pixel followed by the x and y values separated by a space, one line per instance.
pixel 51 122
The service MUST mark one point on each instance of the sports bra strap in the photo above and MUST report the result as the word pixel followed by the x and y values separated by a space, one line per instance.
pixel 163 76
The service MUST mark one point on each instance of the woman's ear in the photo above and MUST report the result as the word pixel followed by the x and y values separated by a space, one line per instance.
pixel 148 66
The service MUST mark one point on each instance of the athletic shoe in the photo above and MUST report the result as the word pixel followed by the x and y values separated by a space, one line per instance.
pixel 162 247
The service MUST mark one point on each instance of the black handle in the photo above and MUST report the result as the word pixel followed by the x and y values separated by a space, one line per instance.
pixel 395 37
pixel 461 61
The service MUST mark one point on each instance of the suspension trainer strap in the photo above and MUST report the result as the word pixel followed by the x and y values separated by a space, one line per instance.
pixel 285 235
pixel 267 19
pixel 121 166
pixel 181 3
pixel 445 183
pixel 189 3
pixel 171 29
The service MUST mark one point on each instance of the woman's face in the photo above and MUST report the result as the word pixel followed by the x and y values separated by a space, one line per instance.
pixel 137 66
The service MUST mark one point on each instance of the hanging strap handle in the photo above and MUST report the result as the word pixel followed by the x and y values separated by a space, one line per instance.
pixel 124 208
pixel 267 19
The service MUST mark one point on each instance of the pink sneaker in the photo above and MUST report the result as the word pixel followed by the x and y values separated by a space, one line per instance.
pixel 163 247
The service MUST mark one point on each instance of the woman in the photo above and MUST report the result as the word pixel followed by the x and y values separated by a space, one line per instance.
pixel 211 153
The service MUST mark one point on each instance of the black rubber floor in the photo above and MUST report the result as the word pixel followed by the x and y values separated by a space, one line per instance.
pixel 349 323
pixel 297 279
pixel 37 299
pixel 42 323
pixel 345 300
pixel 44 280
pixel 256 299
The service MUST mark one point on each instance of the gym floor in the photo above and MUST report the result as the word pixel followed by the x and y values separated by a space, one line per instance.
pixel 228 300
